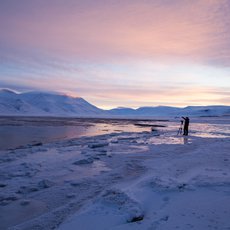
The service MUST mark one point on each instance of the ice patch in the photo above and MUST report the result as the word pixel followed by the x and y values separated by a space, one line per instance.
pixel 84 161
pixel 112 209
pixel 121 202
pixel 98 145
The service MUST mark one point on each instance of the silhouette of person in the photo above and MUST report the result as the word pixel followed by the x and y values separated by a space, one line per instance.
pixel 186 124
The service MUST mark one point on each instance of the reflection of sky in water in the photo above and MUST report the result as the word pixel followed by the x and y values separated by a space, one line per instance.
pixel 169 134
pixel 211 130
pixel 99 129
pixel 203 129
pixel 169 140
pixel 21 133
pixel 13 136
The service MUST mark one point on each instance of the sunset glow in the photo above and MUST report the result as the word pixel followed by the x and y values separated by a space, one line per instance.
pixel 112 53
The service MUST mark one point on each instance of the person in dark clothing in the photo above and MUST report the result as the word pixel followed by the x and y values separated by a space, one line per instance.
pixel 186 124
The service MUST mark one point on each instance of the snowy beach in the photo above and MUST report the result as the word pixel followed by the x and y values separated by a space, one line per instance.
pixel 118 176
pixel 115 115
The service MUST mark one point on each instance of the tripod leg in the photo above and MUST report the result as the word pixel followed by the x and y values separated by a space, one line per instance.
pixel 178 132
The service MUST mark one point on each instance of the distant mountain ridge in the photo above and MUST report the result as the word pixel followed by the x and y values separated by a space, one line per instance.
pixel 213 110
pixel 55 104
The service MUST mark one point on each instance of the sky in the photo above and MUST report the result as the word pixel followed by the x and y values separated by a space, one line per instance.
pixel 118 53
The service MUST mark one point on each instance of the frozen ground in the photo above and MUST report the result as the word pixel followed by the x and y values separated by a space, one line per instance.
pixel 121 180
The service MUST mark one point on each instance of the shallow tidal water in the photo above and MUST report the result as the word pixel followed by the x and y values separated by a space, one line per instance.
pixel 19 132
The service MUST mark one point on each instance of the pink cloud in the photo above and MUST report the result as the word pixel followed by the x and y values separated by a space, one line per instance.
pixel 67 45
pixel 194 30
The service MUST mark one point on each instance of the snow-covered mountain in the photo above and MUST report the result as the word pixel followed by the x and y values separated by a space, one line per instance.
pixel 45 104
pixel 215 110
pixel 122 111
pixel 54 104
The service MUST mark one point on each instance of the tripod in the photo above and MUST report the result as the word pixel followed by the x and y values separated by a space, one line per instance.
pixel 180 129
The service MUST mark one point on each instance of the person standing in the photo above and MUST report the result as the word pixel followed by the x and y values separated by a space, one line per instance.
pixel 186 124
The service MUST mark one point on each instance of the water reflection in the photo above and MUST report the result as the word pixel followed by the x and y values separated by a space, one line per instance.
pixel 170 140
pixel 185 140
pixel 21 132
pixel 19 136
pixel 16 132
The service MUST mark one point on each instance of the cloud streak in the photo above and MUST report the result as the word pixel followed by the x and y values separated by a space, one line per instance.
pixel 197 30
pixel 163 51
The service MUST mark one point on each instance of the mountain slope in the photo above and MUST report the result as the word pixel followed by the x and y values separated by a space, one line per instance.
pixel 45 104
pixel 122 111
pixel 60 104
pixel 12 104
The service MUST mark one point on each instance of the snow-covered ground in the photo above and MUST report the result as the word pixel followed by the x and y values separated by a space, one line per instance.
pixel 122 180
